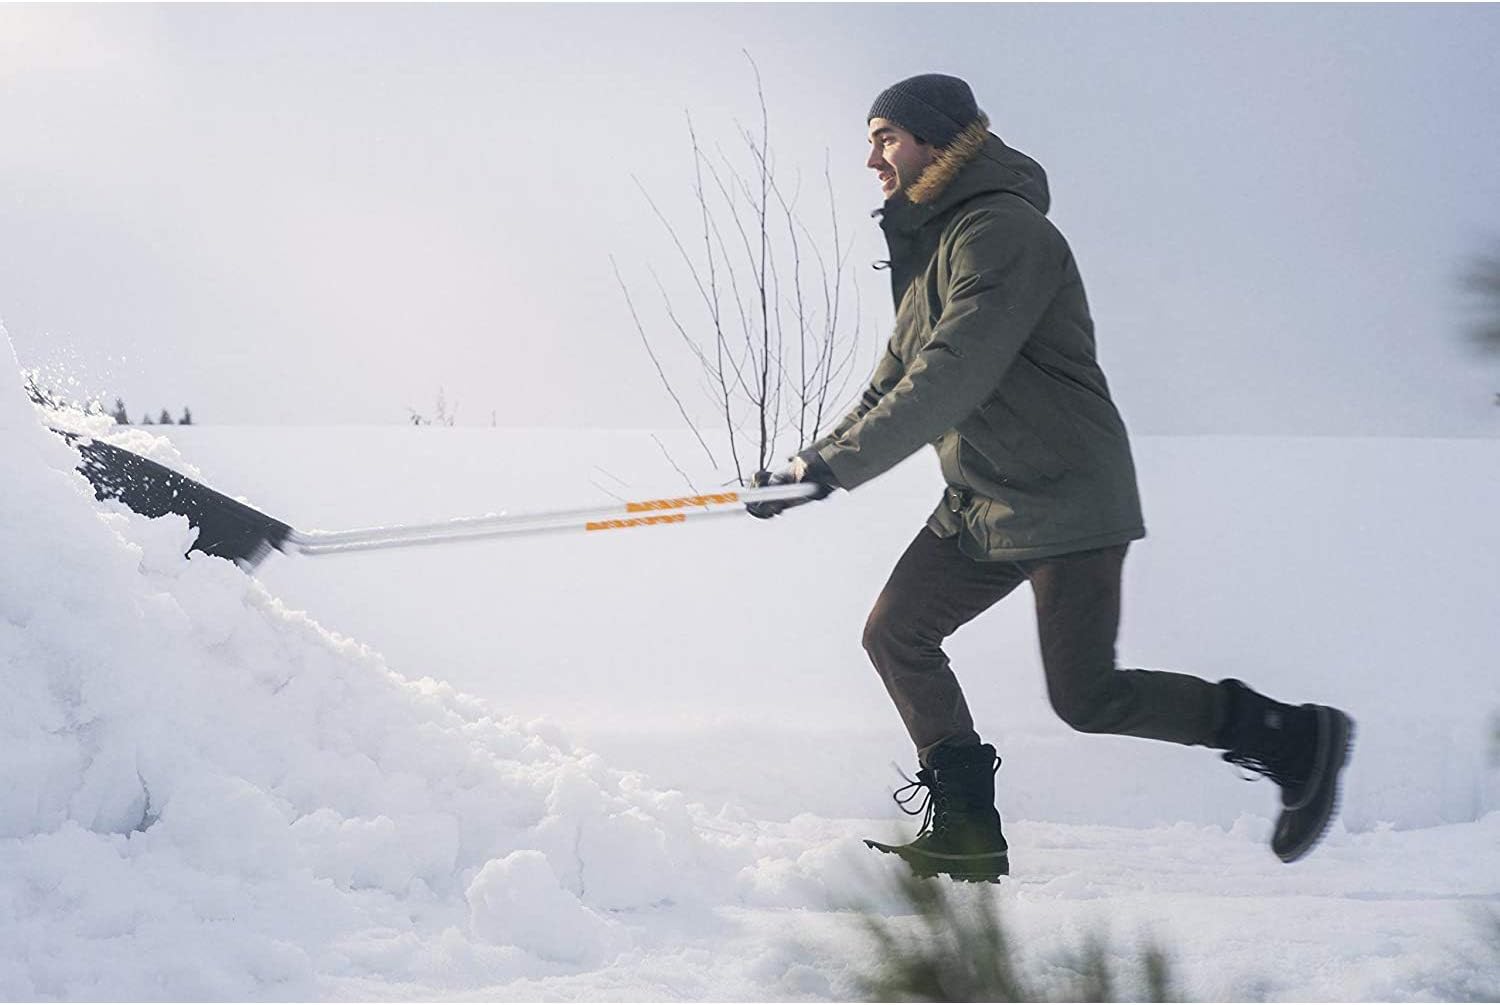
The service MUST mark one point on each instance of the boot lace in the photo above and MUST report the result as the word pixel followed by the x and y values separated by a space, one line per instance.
pixel 909 793
pixel 934 805
pixel 1260 766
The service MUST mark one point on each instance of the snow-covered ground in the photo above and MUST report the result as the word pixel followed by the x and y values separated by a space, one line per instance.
pixel 637 765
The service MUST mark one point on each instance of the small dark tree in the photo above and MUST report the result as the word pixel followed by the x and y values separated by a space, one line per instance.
pixel 1482 281
pixel 187 417
pixel 443 414
pixel 146 420
pixel 119 414
pixel 165 419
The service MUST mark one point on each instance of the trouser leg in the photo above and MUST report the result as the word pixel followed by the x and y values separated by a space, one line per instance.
pixel 933 590
pixel 1078 616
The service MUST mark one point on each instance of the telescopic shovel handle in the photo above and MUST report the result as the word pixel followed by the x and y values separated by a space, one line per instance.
pixel 620 516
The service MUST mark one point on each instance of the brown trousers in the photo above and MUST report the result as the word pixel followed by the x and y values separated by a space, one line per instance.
pixel 935 588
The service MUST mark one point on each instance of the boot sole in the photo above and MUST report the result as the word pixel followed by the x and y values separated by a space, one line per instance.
pixel 1335 757
pixel 987 868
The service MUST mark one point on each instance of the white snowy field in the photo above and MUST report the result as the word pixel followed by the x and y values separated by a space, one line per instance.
pixel 1354 572
pixel 637 765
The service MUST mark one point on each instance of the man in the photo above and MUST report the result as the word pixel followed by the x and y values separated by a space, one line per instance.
pixel 993 363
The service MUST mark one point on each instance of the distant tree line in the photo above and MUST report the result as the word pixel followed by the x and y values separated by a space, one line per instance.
pixel 121 416
pixel 49 397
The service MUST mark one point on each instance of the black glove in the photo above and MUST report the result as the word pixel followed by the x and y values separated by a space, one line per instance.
pixel 807 468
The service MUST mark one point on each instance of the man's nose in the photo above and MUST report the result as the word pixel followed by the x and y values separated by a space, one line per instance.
pixel 875 160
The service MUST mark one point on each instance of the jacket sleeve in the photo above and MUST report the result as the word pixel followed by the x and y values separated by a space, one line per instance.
pixel 1004 270
pixel 887 372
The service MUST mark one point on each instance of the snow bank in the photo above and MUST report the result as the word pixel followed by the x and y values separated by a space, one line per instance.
pixel 207 795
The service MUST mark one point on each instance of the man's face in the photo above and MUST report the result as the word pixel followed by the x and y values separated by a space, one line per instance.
pixel 896 156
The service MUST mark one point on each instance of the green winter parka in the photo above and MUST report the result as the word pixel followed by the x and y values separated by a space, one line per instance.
pixel 993 363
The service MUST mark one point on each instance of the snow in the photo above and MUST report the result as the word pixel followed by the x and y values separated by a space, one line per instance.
pixel 519 901
pixel 209 795
pixel 1358 572
pixel 638 766
pixel 14 412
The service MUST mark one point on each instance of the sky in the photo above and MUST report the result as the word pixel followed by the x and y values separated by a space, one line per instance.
pixel 322 215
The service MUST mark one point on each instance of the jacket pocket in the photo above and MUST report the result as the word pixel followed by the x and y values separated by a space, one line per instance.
pixel 1013 444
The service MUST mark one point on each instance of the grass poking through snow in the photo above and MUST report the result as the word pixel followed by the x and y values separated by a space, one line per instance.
pixel 953 945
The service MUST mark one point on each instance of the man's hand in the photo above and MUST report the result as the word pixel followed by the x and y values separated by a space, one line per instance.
pixel 807 468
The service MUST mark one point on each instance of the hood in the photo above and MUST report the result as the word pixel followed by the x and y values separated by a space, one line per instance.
pixel 975 163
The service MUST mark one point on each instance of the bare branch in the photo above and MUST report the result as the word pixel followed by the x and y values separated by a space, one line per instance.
pixel 804 378
pixel 601 488
pixel 761 213
pixel 672 316
pixel 779 356
pixel 668 454
pixel 657 363
pixel 612 476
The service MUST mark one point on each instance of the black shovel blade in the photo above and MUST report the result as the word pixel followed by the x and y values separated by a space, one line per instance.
pixel 227 528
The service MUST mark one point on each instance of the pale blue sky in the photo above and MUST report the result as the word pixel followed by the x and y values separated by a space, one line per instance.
pixel 314 215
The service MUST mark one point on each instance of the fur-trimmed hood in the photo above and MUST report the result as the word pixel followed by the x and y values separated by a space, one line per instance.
pixel 979 161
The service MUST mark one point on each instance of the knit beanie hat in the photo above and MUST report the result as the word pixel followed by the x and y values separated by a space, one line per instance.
pixel 932 106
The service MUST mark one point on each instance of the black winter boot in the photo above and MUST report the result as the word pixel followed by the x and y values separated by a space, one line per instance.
pixel 960 836
pixel 1300 748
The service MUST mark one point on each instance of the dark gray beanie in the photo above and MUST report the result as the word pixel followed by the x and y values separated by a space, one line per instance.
pixel 932 106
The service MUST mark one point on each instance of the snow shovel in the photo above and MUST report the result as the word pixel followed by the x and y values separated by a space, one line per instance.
pixel 227 528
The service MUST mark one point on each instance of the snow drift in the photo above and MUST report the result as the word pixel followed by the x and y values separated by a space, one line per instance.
pixel 207 795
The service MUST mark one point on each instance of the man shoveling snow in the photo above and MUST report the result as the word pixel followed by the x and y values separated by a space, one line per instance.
pixel 993 362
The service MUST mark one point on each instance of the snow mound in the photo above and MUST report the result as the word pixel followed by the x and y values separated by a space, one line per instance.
pixel 518 901
pixel 208 795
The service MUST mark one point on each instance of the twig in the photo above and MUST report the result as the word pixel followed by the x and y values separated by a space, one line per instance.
pixel 657 363
pixel 601 488
pixel 673 462
pixel 608 474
